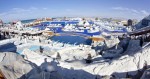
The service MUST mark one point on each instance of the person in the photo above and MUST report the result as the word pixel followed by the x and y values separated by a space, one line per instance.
pixel 41 49
pixel 145 66
pixel 58 57
pixel 44 65
pixel 89 59
pixel 141 41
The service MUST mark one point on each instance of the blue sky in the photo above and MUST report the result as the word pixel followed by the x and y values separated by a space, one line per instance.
pixel 26 9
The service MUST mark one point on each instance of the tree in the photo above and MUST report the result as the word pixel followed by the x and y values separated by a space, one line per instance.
pixel 96 18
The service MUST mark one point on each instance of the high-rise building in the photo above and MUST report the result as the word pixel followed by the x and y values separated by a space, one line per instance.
pixel 130 22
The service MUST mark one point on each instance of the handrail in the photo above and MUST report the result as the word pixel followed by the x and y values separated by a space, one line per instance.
pixel 146 45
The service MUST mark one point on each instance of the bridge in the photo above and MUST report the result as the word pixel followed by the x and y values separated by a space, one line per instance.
pixel 141 31
pixel 142 34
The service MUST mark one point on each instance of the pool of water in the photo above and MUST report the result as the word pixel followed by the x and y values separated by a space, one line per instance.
pixel 72 39
pixel 34 48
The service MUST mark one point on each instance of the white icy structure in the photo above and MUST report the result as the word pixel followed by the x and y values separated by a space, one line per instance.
pixel 73 58
pixel 83 23
pixel 19 25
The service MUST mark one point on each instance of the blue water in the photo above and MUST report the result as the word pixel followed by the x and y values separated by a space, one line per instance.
pixel 41 27
pixel 72 39
pixel 27 21
pixel 56 29
pixel 34 48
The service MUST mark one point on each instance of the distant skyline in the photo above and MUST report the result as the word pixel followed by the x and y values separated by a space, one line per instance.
pixel 27 9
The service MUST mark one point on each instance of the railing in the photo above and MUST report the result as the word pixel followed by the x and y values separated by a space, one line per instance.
pixel 146 45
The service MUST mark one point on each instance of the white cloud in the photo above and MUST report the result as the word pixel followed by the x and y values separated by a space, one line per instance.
pixel 120 8
pixel 144 12
pixel 20 13
pixel 131 11
pixel 33 8
pixel 68 10
pixel 135 11
pixel 45 8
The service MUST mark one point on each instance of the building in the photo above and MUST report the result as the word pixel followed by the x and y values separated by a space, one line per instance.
pixel 130 22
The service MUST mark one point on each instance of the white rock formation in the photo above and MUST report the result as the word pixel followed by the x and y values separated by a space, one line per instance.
pixel 112 42
pixel 14 66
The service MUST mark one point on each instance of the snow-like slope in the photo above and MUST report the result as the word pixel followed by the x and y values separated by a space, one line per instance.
pixel 131 61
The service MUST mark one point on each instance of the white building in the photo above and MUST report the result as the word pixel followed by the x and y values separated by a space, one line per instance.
pixel 83 23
